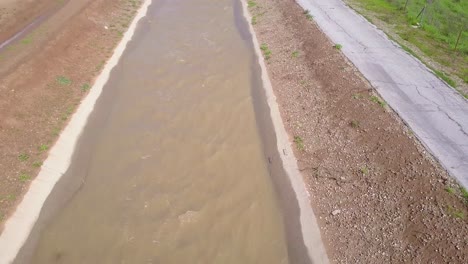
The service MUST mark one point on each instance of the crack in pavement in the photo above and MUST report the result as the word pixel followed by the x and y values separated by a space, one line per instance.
pixel 448 130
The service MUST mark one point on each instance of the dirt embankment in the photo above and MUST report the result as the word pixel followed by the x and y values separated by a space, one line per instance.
pixel 379 197
pixel 39 92
pixel 17 14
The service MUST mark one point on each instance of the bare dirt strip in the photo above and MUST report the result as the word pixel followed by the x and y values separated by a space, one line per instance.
pixel 39 92
pixel 15 15
pixel 379 196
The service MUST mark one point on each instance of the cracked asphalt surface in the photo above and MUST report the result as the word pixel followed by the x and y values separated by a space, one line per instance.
pixel 437 114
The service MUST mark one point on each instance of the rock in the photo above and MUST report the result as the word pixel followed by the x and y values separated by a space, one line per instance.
pixel 188 217
pixel 335 212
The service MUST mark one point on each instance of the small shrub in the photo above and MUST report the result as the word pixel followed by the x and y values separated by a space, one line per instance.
pixel 299 142
pixel 254 20
pixel 455 213
pixel 464 193
pixel 450 190
pixel 308 15
pixel 266 51
pixel 37 164
pixel 364 170
pixel 23 157
pixel 354 124
pixel 444 77
pixel 251 4
pixel 43 148
pixel 62 80
pixel 338 46
pixel 85 87
pixel 377 100
pixel 24 177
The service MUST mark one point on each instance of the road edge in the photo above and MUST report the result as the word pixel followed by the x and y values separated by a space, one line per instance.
pixel 418 137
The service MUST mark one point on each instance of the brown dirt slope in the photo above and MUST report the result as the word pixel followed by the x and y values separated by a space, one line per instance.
pixel 17 14
pixel 379 197
pixel 38 96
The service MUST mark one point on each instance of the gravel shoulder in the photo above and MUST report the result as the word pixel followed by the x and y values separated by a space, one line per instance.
pixel 378 195
pixel 43 78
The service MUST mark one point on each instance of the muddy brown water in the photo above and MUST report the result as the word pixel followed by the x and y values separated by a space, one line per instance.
pixel 174 165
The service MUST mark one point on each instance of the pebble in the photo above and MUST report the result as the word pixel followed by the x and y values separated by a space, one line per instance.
pixel 335 212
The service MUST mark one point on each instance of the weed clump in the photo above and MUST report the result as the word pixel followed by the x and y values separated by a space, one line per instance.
pixel 266 51
pixel 299 143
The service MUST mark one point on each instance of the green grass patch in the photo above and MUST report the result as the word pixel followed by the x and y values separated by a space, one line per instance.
pixel 85 87
pixel 444 77
pixel 464 193
pixel 43 147
pixel 440 31
pixel 266 51
pixel 64 81
pixel 410 51
pixel 254 20
pixel 27 40
pixel 23 157
pixel 251 4
pixel 377 100
pixel 308 15
pixel 295 54
pixel 37 164
pixel 299 143
pixel 455 212
pixel 338 46
pixel 364 170
pixel 450 190
pixel 24 177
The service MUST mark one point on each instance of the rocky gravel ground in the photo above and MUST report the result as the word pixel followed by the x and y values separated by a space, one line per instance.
pixel 378 195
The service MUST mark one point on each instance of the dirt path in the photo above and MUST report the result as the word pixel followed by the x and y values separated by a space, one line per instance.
pixel 17 14
pixel 43 78
pixel 379 196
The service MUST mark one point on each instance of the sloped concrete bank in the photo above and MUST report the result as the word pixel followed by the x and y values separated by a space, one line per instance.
pixel 303 233
pixel 20 224
pixel 378 195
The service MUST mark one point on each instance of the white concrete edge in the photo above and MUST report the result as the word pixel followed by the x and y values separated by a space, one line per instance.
pixel 309 225
pixel 20 224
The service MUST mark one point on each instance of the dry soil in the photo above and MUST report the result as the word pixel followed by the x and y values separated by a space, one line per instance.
pixel 40 91
pixel 378 195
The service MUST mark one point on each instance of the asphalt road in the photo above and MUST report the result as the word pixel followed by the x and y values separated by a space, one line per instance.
pixel 436 113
